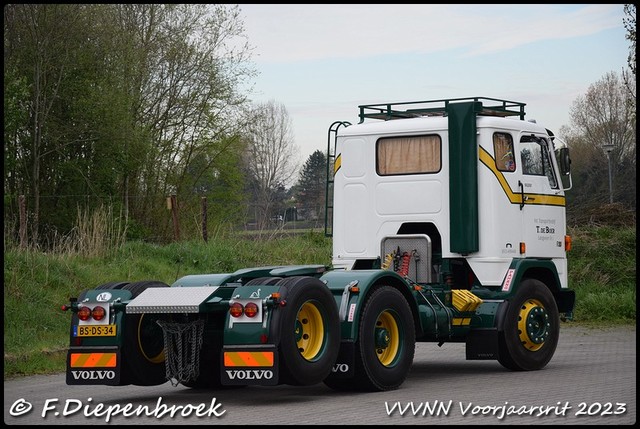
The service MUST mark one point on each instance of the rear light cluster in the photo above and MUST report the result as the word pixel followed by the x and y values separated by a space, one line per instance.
pixel 250 309
pixel 86 313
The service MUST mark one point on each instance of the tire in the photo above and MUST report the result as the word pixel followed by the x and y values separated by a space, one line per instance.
pixel 309 331
pixel 385 345
pixel 142 356
pixel 112 285
pixel 263 281
pixel 530 329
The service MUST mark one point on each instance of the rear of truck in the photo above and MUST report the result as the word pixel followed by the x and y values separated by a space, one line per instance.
pixel 257 326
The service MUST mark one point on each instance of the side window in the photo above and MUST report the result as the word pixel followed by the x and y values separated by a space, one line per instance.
pixel 408 155
pixel 535 158
pixel 503 150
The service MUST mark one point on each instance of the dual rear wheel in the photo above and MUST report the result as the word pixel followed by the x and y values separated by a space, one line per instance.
pixel 309 331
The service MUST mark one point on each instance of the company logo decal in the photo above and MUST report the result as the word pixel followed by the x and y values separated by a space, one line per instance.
pixel 103 297
pixel 249 374
pixel 94 375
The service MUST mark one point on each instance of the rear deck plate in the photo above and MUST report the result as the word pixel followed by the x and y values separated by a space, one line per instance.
pixel 170 300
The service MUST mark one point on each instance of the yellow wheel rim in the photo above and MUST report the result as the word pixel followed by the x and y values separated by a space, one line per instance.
pixel 159 357
pixel 309 331
pixel 534 325
pixel 387 338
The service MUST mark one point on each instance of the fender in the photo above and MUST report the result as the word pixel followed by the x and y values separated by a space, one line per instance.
pixel 203 280
pixel 338 280
pixel 542 269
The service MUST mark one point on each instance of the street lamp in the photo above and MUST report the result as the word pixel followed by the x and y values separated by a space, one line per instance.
pixel 608 148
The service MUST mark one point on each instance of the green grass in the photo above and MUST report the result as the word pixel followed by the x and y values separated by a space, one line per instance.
pixel 601 271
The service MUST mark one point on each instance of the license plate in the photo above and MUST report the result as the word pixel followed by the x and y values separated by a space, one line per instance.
pixel 94 331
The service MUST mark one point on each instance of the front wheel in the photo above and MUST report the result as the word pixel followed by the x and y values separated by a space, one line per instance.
pixel 530 330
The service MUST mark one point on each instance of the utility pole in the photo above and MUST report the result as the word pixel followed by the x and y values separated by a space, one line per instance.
pixel 608 148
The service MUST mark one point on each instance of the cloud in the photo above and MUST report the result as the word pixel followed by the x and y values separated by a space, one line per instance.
pixel 288 33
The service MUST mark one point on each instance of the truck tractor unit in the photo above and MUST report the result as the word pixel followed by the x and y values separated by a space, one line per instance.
pixel 447 220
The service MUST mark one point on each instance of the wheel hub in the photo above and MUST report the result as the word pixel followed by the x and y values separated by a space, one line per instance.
pixel 534 325
pixel 387 338
pixel 309 331
pixel 382 338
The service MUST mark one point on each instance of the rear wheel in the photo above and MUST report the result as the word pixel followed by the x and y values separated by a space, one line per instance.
pixel 530 329
pixel 309 331
pixel 143 359
pixel 385 345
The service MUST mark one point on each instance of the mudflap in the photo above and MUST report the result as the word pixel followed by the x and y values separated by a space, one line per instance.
pixel 93 365
pixel 249 365
pixel 344 366
pixel 482 344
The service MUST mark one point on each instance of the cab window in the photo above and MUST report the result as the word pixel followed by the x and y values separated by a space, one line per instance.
pixel 535 159
pixel 408 155
pixel 503 151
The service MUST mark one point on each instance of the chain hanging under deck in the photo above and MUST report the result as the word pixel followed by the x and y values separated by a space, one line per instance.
pixel 182 344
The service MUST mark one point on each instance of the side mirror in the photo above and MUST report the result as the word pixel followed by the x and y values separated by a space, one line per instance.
pixel 564 161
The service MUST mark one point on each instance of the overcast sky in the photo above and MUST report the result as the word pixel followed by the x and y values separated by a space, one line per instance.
pixel 322 61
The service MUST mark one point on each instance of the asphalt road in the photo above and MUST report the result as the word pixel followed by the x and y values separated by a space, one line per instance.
pixel 591 380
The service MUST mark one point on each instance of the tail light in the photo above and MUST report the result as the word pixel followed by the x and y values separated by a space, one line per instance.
pixel 84 313
pixel 98 313
pixel 236 309
pixel 251 309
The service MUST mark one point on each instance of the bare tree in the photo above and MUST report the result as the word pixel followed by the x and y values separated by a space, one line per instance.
pixel 630 25
pixel 271 156
pixel 603 116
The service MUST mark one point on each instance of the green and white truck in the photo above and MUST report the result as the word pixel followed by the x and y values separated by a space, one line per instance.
pixel 448 224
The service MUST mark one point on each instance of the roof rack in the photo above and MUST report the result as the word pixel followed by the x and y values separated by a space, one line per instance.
pixel 415 109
